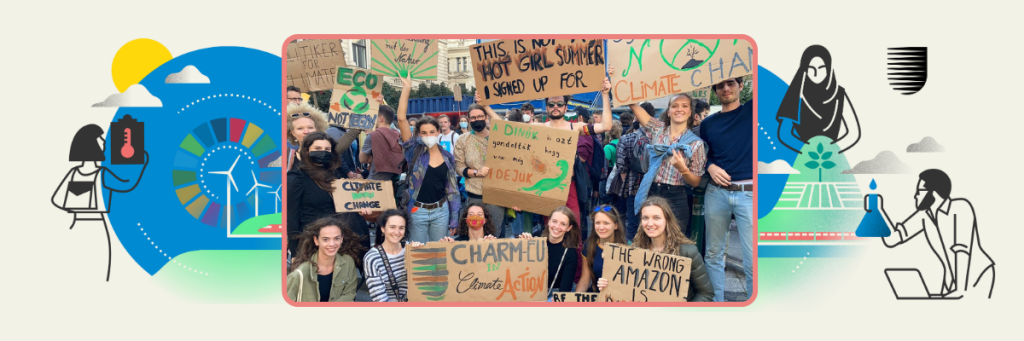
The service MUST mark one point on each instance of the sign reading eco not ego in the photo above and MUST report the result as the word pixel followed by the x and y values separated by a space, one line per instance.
pixel 527 69
pixel 353 100
pixel 653 68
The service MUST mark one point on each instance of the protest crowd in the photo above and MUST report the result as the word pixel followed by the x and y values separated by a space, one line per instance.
pixel 669 183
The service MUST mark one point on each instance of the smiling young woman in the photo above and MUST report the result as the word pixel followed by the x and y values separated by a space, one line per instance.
pixel 327 261
pixel 384 265
pixel 563 234
pixel 608 228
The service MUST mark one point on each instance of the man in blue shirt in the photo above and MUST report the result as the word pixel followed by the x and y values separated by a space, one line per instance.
pixel 728 135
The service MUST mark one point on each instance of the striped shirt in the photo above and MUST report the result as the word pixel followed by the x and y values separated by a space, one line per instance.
pixel 658 133
pixel 377 280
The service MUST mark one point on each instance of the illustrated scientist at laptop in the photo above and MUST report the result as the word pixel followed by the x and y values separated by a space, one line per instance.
pixel 951 229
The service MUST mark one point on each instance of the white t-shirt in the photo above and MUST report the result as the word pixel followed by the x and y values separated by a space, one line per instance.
pixel 447 141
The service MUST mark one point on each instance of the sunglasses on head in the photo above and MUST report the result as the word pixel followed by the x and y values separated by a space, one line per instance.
pixel 556 104
pixel 605 208
pixel 302 114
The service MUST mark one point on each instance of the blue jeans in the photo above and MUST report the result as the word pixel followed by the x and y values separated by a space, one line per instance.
pixel 429 225
pixel 719 206
pixel 632 220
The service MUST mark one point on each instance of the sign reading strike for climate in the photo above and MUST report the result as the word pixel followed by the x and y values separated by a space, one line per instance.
pixel 313 64
pixel 638 275
pixel 353 101
pixel 351 195
pixel 647 69
pixel 512 70
pixel 531 166
pixel 497 270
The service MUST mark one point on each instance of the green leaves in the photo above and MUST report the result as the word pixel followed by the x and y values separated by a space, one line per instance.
pixel 828 164
pixel 826 156
pixel 814 164
pixel 821 148
pixel 813 155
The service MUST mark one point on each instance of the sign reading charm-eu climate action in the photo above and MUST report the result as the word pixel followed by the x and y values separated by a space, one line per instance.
pixel 497 270
pixel 512 70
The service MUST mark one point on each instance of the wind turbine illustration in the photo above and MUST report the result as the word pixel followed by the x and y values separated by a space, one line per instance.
pixel 277 197
pixel 256 184
pixel 230 182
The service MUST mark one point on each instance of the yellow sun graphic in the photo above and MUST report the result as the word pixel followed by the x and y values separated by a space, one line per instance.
pixel 135 60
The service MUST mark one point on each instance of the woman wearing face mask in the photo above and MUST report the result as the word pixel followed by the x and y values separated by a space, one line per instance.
pixel 815 105
pixel 309 185
pixel 463 126
pixel 608 228
pixel 433 196
pixel 384 265
pixel 660 233
pixel 677 157
pixel 563 234
pixel 328 260
pixel 474 225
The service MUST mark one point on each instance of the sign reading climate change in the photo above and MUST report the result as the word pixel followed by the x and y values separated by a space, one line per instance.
pixel 353 101
pixel 354 195
pixel 527 69
pixel 646 69
pixel 497 270
pixel 312 64
pixel 638 275
pixel 531 166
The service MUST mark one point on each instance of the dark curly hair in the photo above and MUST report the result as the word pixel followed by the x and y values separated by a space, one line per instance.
pixel 488 224
pixel 322 176
pixel 382 221
pixel 350 244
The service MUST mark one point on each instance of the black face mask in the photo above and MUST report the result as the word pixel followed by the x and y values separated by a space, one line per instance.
pixel 321 157
pixel 478 125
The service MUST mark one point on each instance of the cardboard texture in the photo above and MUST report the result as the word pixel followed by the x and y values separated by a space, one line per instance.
pixel 646 69
pixel 400 57
pixel 702 93
pixel 513 70
pixel 313 64
pixel 576 297
pixel 351 195
pixel 353 101
pixel 638 275
pixel 498 270
pixel 531 166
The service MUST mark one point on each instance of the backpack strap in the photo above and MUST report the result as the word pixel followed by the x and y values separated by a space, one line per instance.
pixel 557 271
pixel 391 273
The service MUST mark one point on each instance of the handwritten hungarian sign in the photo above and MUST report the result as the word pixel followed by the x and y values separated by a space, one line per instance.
pixel 512 70
pixel 497 270
pixel 312 64
pixel 354 195
pixel 576 297
pixel 638 275
pixel 401 57
pixel 353 101
pixel 646 69
pixel 531 166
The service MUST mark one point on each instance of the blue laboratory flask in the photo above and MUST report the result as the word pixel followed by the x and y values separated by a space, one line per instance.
pixel 875 222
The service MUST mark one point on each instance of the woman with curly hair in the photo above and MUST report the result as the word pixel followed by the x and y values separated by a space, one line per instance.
pixel 661 233
pixel 328 259
pixel 475 224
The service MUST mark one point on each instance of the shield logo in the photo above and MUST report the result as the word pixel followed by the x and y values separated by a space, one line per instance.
pixel 908 69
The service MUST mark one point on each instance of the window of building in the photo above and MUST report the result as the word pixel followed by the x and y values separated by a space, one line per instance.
pixel 359 52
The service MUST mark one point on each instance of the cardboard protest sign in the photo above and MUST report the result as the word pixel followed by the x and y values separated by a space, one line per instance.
pixel 497 270
pixel 702 93
pixel 531 166
pixel 646 69
pixel 400 57
pixel 313 64
pixel 351 195
pixel 353 101
pixel 638 275
pixel 512 70
pixel 576 297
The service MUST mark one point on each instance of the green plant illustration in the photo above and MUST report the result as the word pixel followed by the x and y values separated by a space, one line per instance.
pixel 820 156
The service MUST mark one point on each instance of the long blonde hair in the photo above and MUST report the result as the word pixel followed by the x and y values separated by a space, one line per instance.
pixel 674 237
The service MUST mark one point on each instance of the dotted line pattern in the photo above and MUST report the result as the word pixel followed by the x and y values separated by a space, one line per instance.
pixel 772 143
pixel 210 154
pixel 201 99
pixel 801 263
pixel 157 247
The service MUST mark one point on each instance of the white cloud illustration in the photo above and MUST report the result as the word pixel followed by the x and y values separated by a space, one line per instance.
pixel 776 167
pixel 188 75
pixel 135 96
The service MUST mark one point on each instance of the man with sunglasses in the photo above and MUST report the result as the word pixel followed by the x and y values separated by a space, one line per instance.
pixel 470 159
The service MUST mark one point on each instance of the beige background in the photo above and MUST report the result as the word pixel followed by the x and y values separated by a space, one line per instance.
pixel 967 105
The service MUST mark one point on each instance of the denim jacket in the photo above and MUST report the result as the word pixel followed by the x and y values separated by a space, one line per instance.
pixel 414 148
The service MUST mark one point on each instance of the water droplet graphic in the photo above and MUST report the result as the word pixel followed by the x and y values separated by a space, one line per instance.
pixel 873 184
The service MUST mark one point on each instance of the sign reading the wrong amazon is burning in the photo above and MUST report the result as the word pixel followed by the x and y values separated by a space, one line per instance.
pixel 498 270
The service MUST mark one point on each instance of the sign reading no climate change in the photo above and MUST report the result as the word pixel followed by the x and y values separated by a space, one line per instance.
pixel 527 69
pixel 353 101
pixel 531 166
pixel 497 270
pixel 646 69
pixel 638 275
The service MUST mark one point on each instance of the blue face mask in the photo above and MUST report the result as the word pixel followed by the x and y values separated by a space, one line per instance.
pixel 464 125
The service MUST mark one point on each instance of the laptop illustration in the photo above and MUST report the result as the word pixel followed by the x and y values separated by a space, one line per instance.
pixel 908 284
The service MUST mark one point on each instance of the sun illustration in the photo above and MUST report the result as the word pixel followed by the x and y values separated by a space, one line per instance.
pixel 135 60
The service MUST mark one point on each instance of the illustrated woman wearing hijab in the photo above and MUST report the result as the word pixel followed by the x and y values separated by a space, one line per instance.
pixel 86 190
pixel 815 105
